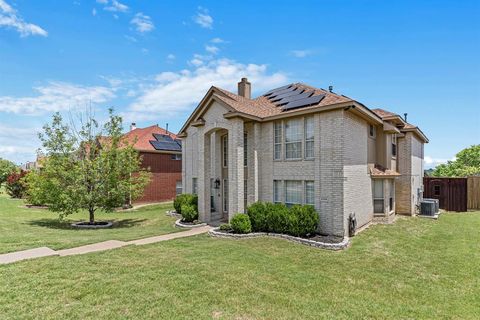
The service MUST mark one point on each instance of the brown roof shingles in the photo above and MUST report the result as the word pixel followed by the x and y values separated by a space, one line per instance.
pixel 262 107
pixel 141 137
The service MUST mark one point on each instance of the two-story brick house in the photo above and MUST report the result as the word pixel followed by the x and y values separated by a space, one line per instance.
pixel 301 145
pixel 161 152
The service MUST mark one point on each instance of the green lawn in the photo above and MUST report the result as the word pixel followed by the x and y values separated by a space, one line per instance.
pixel 23 228
pixel 414 269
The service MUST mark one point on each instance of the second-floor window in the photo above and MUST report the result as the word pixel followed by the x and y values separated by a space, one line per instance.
pixel 394 146
pixel 293 139
pixel 309 137
pixel 277 140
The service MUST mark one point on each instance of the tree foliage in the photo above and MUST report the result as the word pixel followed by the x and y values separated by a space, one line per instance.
pixel 6 168
pixel 90 168
pixel 15 185
pixel 466 163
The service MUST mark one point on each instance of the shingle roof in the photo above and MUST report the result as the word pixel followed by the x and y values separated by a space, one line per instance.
pixel 379 171
pixel 384 113
pixel 143 137
pixel 262 107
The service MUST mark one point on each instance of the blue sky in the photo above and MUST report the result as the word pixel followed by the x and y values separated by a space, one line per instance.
pixel 153 60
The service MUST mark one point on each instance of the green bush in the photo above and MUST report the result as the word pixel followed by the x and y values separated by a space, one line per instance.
pixel 257 212
pixel 278 218
pixel 185 198
pixel 225 227
pixel 304 220
pixel 189 214
pixel 240 223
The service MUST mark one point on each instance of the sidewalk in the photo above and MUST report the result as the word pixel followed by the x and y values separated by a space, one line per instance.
pixel 95 247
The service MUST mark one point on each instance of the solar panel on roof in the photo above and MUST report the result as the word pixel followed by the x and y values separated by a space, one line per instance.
pixel 279 92
pixel 294 98
pixel 163 137
pixel 277 89
pixel 287 94
pixel 303 102
pixel 167 146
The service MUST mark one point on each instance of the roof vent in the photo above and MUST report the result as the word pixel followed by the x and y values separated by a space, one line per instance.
pixel 245 88
pixel 133 126
pixel 330 88
pixel 405 116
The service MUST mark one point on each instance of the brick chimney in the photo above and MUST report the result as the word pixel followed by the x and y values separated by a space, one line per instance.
pixel 133 126
pixel 245 88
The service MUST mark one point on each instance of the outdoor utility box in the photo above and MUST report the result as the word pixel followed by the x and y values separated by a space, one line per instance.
pixel 437 203
pixel 428 207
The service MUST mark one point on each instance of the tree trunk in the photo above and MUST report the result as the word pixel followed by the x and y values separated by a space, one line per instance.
pixel 92 215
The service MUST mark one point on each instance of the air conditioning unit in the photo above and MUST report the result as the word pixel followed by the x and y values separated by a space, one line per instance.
pixel 427 208
pixel 437 203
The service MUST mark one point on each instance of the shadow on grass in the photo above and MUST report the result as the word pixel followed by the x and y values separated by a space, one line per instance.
pixel 65 224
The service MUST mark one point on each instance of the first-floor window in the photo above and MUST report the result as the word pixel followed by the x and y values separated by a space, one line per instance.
pixel 194 186
pixel 310 192
pixel 225 195
pixel 378 201
pixel 392 195
pixel 277 189
pixel 225 151
pixel 293 192
pixel 178 187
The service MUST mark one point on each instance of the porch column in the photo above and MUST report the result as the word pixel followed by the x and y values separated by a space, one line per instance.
pixel 255 160
pixel 235 168
pixel 204 177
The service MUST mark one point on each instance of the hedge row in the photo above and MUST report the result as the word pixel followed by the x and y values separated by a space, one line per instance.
pixel 277 218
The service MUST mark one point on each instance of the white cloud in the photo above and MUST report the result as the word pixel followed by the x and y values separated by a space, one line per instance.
pixel 174 93
pixel 94 12
pixel 217 40
pixel 9 18
pixel 212 49
pixel 15 149
pixel 203 19
pixel 56 96
pixel 300 53
pixel 171 56
pixel 143 23
pixel 130 38
pixel 433 162
pixel 114 6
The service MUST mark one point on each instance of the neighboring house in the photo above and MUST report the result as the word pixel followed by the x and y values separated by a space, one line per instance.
pixel 301 145
pixel 161 152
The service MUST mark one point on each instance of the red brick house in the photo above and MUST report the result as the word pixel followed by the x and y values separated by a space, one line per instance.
pixel 161 151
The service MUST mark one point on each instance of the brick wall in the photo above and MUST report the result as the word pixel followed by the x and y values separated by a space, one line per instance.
pixel 165 174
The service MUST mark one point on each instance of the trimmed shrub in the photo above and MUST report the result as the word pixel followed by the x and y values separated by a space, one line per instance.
pixel 303 221
pixel 189 214
pixel 185 198
pixel 225 227
pixel 278 218
pixel 241 223
pixel 257 212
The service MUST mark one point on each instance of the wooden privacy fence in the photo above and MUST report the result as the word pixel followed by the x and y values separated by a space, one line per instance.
pixel 454 194
pixel 473 192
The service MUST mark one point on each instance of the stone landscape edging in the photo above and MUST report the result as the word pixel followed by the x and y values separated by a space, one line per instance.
pixel 323 245
pixel 180 224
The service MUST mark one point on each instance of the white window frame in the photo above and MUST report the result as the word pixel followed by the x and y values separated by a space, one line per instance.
pixel 301 188
pixel 277 191
pixel 299 138
pixel 225 151
pixel 277 144
pixel 306 183
pixel 307 140
pixel 177 188
pixel 375 198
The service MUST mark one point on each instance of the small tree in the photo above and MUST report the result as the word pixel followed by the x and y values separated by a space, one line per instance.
pixel 466 163
pixel 88 168
pixel 16 185
pixel 6 168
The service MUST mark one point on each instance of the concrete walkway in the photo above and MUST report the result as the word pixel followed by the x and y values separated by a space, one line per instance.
pixel 95 247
